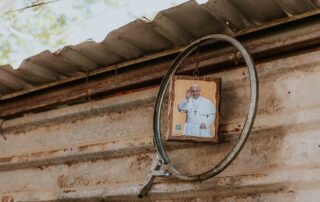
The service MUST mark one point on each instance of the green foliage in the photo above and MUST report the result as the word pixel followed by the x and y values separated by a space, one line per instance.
pixel 32 26
pixel 41 25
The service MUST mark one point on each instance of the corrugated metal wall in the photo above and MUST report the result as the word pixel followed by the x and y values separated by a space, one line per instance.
pixel 172 28
pixel 103 149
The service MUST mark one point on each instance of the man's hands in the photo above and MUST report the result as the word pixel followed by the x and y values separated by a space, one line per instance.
pixel 188 94
pixel 203 126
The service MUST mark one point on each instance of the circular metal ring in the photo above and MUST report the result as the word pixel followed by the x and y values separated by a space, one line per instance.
pixel 254 94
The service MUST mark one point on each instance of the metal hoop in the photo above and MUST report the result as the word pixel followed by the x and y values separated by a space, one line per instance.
pixel 254 94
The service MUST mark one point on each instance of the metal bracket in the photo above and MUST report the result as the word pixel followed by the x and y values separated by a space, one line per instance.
pixel 154 172
pixel 161 173
pixel 1 129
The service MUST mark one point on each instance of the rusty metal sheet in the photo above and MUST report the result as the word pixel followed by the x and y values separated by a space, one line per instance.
pixel 54 62
pixel 141 34
pixel 98 53
pixel 267 43
pixel 194 19
pixel 103 149
pixel 258 12
pixel 11 80
pixel 171 28
pixel 293 7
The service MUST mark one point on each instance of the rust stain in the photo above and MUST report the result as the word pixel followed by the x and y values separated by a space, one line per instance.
pixel 101 181
pixel 68 163
pixel 71 181
pixel 6 159
pixel 7 199
pixel 101 144
pixel 62 181
pixel 141 162
pixel 69 190
pixel 252 196
pixel 104 181
pixel 273 104
pixel 26 156
pixel 84 147
pixel 142 143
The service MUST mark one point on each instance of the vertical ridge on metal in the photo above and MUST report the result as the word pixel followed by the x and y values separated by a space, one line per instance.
pixel 254 94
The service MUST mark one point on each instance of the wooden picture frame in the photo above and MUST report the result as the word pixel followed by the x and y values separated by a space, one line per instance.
pixel 183 123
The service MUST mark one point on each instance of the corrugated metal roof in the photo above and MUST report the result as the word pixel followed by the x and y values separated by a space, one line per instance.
pixel 170 29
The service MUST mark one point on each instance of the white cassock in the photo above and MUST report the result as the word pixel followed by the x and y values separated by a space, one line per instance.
pixel 200 110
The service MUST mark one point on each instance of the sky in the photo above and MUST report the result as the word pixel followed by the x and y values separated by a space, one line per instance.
pixel 103 18
pixel 108 18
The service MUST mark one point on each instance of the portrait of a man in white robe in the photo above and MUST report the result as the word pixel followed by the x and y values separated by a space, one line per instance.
pixel 200 113
pixel 194 109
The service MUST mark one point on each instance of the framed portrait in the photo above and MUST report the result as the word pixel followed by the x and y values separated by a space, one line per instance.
pixel 194 109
